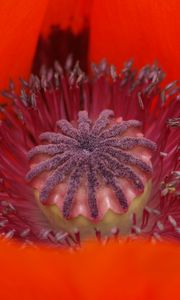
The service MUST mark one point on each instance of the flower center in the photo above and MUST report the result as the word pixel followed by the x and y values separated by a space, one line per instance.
pixel 88 143
pixel 76 164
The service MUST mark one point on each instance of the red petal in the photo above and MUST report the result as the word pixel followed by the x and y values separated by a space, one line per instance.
pixel 136 270
pixel 20 23
pixel 144 30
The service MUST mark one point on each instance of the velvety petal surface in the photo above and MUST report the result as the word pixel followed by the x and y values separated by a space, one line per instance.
pixel 137 270
pixel 20 23
pixel 145 30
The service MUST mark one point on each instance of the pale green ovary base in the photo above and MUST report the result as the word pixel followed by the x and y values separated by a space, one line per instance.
pixel 111 220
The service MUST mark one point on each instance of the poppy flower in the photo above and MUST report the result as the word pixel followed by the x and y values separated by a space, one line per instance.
pixel 63 124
